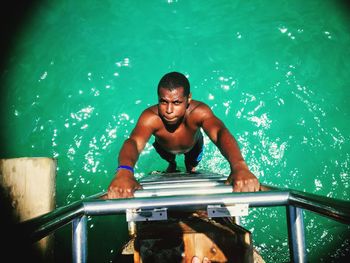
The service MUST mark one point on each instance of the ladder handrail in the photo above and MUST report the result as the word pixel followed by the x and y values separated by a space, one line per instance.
pixel 43 225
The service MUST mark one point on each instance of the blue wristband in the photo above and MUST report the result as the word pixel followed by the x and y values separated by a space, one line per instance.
pixel 126 167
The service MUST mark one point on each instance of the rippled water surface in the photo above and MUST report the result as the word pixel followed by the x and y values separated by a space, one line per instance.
pixel 276 73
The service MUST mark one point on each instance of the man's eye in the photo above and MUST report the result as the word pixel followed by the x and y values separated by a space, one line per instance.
pixel 162 102
pixel 177 102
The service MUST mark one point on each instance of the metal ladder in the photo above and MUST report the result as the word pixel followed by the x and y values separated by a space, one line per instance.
pixel 203 191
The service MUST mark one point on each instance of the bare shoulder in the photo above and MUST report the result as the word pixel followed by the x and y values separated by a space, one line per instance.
pixel 146 125
pixel 199 112
pixel 150 112
pixel 199 108
pixel 149 117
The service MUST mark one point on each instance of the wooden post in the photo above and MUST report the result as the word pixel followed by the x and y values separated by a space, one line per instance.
pixel 27 190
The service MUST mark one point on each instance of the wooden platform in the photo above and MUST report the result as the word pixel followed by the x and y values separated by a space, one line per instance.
pixel 178 240
pixel 189 233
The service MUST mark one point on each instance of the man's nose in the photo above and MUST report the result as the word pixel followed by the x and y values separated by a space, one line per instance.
pixel 169 108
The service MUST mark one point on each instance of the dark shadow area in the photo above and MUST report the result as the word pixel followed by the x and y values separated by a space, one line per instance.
pixel 106 238
pixel 14 247
pixel 13 16
pixel 345 4
pixel 185 235
pixel 338 252
pixel 158 241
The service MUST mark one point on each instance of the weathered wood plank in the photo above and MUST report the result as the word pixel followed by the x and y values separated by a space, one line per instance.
pixel 27 190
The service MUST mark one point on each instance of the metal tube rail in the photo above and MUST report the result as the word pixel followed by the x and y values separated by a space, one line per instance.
pixel 335 209
pixel 106 207
pixel 179 189
pixel 79 239
pixel 41 226
pixel 47 223
pixel 35 229
pixel 177 197
pixel 183 185
pixel 296 234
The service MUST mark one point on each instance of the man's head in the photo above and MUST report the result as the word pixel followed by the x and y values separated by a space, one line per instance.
pixel 174 98
pixel 174 80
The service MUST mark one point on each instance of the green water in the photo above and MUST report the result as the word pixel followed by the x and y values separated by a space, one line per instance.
pixel 276 72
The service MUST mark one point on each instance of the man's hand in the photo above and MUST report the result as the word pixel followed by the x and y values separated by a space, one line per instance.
pixel 123 185
pixel 243 181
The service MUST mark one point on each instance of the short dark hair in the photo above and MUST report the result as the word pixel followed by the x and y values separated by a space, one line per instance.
pixel 174 80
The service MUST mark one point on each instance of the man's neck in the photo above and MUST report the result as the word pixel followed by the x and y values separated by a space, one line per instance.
pixel 173 127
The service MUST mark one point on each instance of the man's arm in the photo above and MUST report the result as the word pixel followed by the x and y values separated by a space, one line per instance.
pixel 124 183
pixel 240 177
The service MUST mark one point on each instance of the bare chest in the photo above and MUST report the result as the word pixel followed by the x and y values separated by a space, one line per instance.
pixel 179 141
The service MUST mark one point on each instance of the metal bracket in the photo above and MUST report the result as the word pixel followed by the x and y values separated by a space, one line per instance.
pixel 227 211
pixel 146 214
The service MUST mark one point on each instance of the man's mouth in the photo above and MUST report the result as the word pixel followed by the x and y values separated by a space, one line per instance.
pixel 170 120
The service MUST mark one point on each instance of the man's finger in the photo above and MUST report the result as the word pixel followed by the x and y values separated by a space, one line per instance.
pixel 257 187
pixel 129 193
pixel 251 188
pixel 120 193
pixel 228 180
pixel 237 188
pixel 245 188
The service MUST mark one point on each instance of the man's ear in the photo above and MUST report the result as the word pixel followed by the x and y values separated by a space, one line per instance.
pixel 189 98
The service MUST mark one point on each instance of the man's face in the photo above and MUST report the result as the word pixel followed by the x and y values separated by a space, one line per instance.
pixel 172 105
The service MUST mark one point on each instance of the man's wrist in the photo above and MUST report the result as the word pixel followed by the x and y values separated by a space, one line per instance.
pixel 125 167
pixel 239 165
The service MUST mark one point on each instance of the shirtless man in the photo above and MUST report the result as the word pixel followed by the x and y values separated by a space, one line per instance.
pixel 176 123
